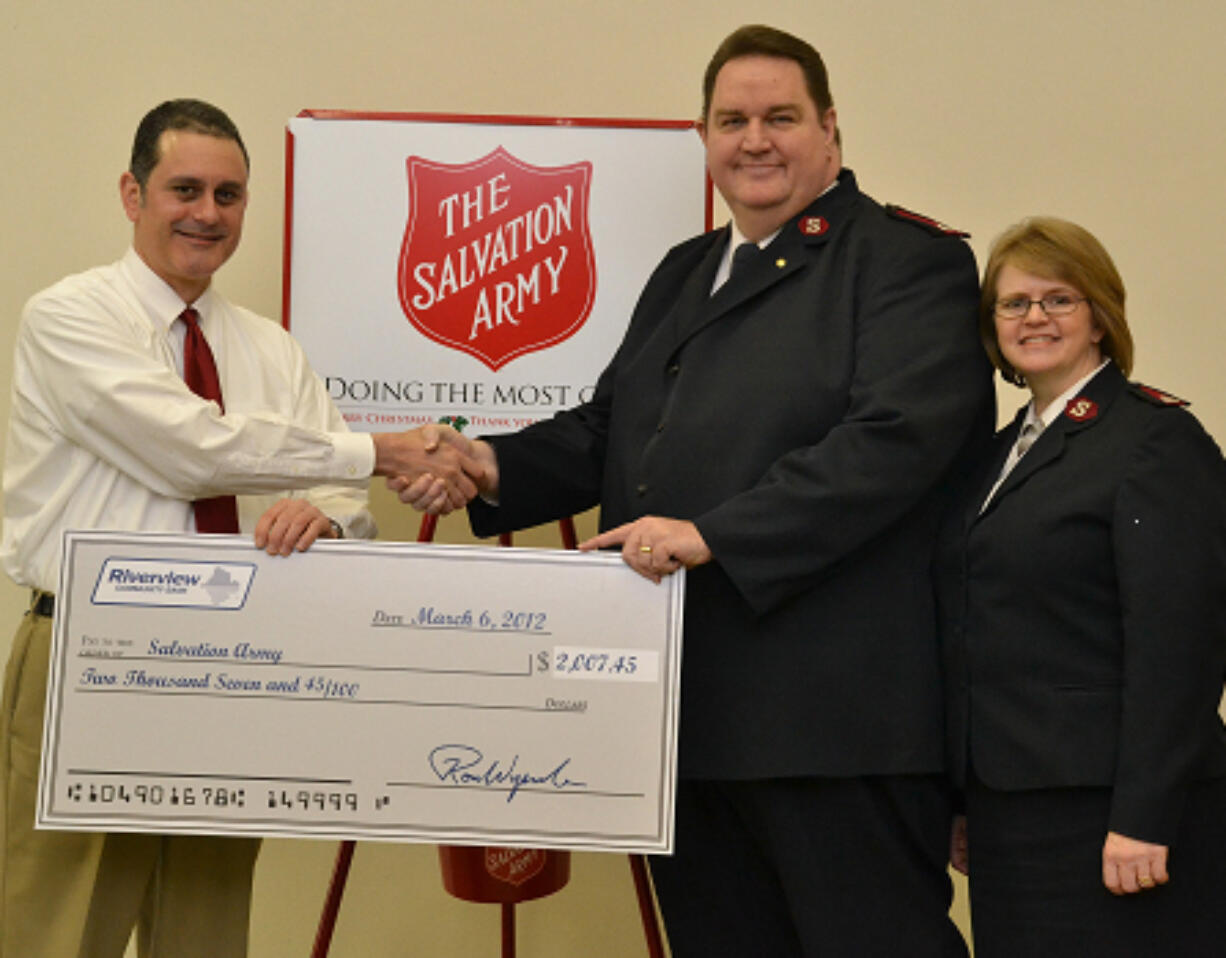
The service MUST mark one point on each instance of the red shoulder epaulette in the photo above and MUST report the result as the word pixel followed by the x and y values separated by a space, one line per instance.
pixel 1157 396
pixel 927 222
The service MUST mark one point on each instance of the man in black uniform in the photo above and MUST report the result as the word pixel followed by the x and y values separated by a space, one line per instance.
pixel 781 420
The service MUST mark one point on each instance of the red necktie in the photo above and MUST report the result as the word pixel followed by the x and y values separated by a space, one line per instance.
pixel 220 513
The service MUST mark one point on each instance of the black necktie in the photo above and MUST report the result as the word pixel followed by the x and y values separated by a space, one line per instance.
pixel 742 256
pixel 220 513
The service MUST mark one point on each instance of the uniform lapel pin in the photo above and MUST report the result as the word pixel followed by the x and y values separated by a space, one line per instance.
pixel 1081 409
pixel 813 225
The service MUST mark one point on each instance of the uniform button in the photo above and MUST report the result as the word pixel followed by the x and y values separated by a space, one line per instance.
pixel 641 489
pixel 660 427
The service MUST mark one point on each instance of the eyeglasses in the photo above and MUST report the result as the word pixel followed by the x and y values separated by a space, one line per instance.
pixel 1055 304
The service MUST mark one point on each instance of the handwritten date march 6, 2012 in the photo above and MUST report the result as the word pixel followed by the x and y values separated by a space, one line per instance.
pixel 483 620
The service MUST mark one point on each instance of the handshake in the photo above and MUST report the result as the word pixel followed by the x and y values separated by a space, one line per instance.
pixel 435 469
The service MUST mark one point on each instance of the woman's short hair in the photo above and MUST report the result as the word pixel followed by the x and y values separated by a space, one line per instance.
pixel 1057 249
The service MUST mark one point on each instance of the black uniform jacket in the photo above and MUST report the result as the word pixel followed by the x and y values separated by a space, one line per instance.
pixel 1084 611
pixel 804 417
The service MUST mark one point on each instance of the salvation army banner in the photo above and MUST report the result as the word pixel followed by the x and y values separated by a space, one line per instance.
pixel 476 269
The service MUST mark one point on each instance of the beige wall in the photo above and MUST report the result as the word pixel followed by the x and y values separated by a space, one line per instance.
pixel 1109 113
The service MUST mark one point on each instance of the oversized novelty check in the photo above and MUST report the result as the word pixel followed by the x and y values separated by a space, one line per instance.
pixel 451 694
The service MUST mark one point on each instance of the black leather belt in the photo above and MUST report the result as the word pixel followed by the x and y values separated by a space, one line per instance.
pixel 44 604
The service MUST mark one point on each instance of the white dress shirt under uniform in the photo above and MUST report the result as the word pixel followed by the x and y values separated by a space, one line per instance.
pixel 736 238
pixel 105 434
pixel 1039 423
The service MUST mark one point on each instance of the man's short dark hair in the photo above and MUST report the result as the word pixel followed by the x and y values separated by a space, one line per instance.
pixel 195 116
pixel 756 40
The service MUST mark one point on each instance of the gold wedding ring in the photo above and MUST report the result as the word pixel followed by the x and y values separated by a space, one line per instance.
pixel 644 548
pixel 1145 882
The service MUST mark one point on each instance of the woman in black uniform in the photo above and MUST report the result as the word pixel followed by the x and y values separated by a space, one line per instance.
pixel 1082 582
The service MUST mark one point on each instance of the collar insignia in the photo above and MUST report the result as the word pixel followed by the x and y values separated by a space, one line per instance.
pixel 1081 409
pixel 813 225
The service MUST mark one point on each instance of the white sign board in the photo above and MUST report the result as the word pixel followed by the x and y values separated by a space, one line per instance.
pixel 476 268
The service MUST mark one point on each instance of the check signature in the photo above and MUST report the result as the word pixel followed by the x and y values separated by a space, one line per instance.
pixel 466 765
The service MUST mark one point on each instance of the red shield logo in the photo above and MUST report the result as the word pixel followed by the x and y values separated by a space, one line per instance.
pixel 497 256
pixel 514 865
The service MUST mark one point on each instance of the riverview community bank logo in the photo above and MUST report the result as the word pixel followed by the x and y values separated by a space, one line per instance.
pixel 173 583
pixel 497 255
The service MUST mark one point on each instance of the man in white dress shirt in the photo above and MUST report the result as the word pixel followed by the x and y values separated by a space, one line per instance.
pixel 104 433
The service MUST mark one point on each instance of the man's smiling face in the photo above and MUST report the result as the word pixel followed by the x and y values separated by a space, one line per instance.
pixel 770 153
pixel 189 216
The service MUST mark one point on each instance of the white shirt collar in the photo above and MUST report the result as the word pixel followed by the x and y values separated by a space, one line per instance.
pixel 162 304
pixel 736 238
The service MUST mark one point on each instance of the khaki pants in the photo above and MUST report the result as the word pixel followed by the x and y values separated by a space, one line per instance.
pixel 79 894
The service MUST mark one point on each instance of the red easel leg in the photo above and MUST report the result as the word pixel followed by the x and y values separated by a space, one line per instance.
pixel 332 904
pixel 508 929
pixel 647 906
